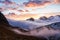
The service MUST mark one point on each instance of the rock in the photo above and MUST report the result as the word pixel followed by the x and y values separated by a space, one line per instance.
pixel 3 20
pixel 31 19
pixel 43 18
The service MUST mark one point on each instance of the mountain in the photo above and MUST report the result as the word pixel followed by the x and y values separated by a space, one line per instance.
pixel 49 20
pixel 51 17
pixel 51 31
pixel 43 18
pixel 30 19
pixel 57 17
pixel 33 31
pixel 30 25
pixel 8 32
pixel 55 25
pixel 47 30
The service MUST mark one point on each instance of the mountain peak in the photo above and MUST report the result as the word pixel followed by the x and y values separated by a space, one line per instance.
pixel 43 18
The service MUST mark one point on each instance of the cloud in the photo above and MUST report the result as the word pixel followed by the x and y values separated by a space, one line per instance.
pixel 20 10
pixel 37 3
pixel 9 4
pixel 6 2
pixel 57 1
pixel 40 3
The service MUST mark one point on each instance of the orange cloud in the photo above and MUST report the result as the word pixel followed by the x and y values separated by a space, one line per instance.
pixel 34 4
pixel 57 1
pixel 22 17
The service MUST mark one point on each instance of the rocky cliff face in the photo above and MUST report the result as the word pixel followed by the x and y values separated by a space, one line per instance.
pixel 3 20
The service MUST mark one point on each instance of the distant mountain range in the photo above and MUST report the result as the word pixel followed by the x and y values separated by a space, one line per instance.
pixel 50 18
pixel 29 24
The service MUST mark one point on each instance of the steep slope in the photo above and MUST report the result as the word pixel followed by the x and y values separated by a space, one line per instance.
pixel 3 20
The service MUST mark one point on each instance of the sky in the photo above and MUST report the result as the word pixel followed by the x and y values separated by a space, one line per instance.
pixel 29 6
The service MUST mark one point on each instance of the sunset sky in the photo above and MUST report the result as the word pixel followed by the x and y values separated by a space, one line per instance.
pixel 29 6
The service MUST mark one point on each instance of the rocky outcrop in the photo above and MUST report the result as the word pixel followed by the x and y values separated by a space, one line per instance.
pixel 30 19
pixel 3 20
pixel 43 18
